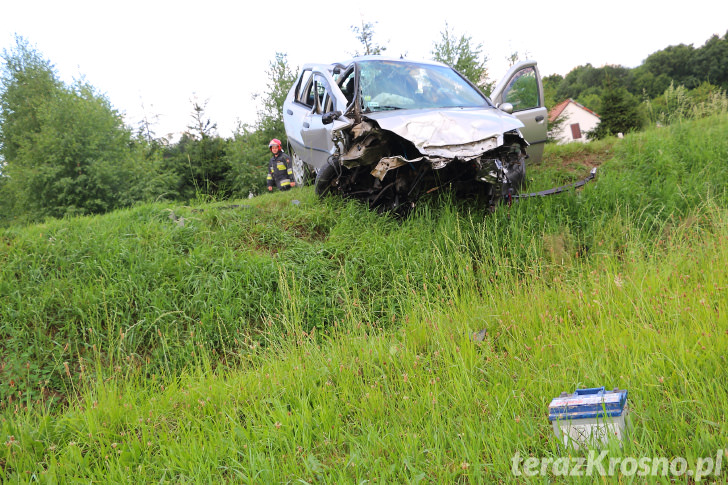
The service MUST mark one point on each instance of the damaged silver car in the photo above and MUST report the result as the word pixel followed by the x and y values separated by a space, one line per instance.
pixel 387 131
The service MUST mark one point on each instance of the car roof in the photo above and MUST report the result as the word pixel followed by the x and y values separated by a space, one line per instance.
pixel 349 62
pixel 389 59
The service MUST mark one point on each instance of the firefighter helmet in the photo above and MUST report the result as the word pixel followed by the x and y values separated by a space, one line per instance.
pixel 275 141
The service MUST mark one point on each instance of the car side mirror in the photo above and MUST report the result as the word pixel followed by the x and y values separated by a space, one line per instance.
pixel 329 117
pixel 507 107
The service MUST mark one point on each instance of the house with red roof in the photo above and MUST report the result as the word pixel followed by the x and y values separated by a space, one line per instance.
pixel 575 121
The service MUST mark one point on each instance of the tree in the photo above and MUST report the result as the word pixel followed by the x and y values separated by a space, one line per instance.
pixel 677 62
pixel 66 150
pixel 201 127
pixel 199 159
pixel 28 82
pixel 145 127
pixel 619 112
pixel 550 87
pixel 711 61
pixel 591 100
pixel 514 58
pixel 248 156
pixel 365 35
pixel 467 58
pixel 79 162
pixel 280 80
pixel 647 84
pixel 589 80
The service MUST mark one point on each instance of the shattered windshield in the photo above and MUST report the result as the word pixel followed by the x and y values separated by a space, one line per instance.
pixel 389 85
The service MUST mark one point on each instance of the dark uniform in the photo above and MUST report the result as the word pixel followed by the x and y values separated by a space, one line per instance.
pixel 280 171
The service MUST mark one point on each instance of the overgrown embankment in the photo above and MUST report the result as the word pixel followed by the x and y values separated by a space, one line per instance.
pixel 277 341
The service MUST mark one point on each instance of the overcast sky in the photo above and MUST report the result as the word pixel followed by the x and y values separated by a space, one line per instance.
pixel 154 56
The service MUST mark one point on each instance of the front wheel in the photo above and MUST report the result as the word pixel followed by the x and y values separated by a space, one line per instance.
pixel 327 177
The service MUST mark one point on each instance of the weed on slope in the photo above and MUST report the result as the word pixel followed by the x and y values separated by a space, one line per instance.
pixel 156 288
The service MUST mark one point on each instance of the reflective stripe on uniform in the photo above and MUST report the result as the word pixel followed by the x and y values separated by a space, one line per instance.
pixel 285 182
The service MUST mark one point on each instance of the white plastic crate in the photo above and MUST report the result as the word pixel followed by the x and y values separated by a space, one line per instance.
pixel 589 418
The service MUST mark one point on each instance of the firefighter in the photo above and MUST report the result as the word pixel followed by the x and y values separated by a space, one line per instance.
pixel 279 167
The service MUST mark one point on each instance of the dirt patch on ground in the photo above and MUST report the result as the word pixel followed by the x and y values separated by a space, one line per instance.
pixel 588 159
pixel 567 164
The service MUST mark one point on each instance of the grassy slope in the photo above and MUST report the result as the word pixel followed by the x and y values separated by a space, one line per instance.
pixel 344 336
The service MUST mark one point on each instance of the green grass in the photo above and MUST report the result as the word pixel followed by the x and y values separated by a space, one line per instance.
pixel 318 341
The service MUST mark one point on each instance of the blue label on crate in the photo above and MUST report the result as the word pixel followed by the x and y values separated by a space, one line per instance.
pixel 588 403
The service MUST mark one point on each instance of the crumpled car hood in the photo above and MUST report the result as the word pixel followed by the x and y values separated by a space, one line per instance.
pixel 455 132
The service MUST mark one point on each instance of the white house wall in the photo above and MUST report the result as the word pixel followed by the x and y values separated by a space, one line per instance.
pixel 574 114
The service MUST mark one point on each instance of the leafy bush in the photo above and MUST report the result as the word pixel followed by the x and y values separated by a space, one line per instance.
pixel 679 104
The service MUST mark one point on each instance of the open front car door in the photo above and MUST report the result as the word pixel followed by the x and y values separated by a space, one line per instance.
pixel 522 89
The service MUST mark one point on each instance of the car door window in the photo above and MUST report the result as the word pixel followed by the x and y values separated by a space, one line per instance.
pixel 522 91
pixel 303 90
pixel 320 92
pixel 314 88
pixel 326 101
pixel 346 84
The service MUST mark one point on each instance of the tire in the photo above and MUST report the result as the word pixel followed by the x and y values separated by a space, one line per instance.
pixel 301 171
pixel 325 177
